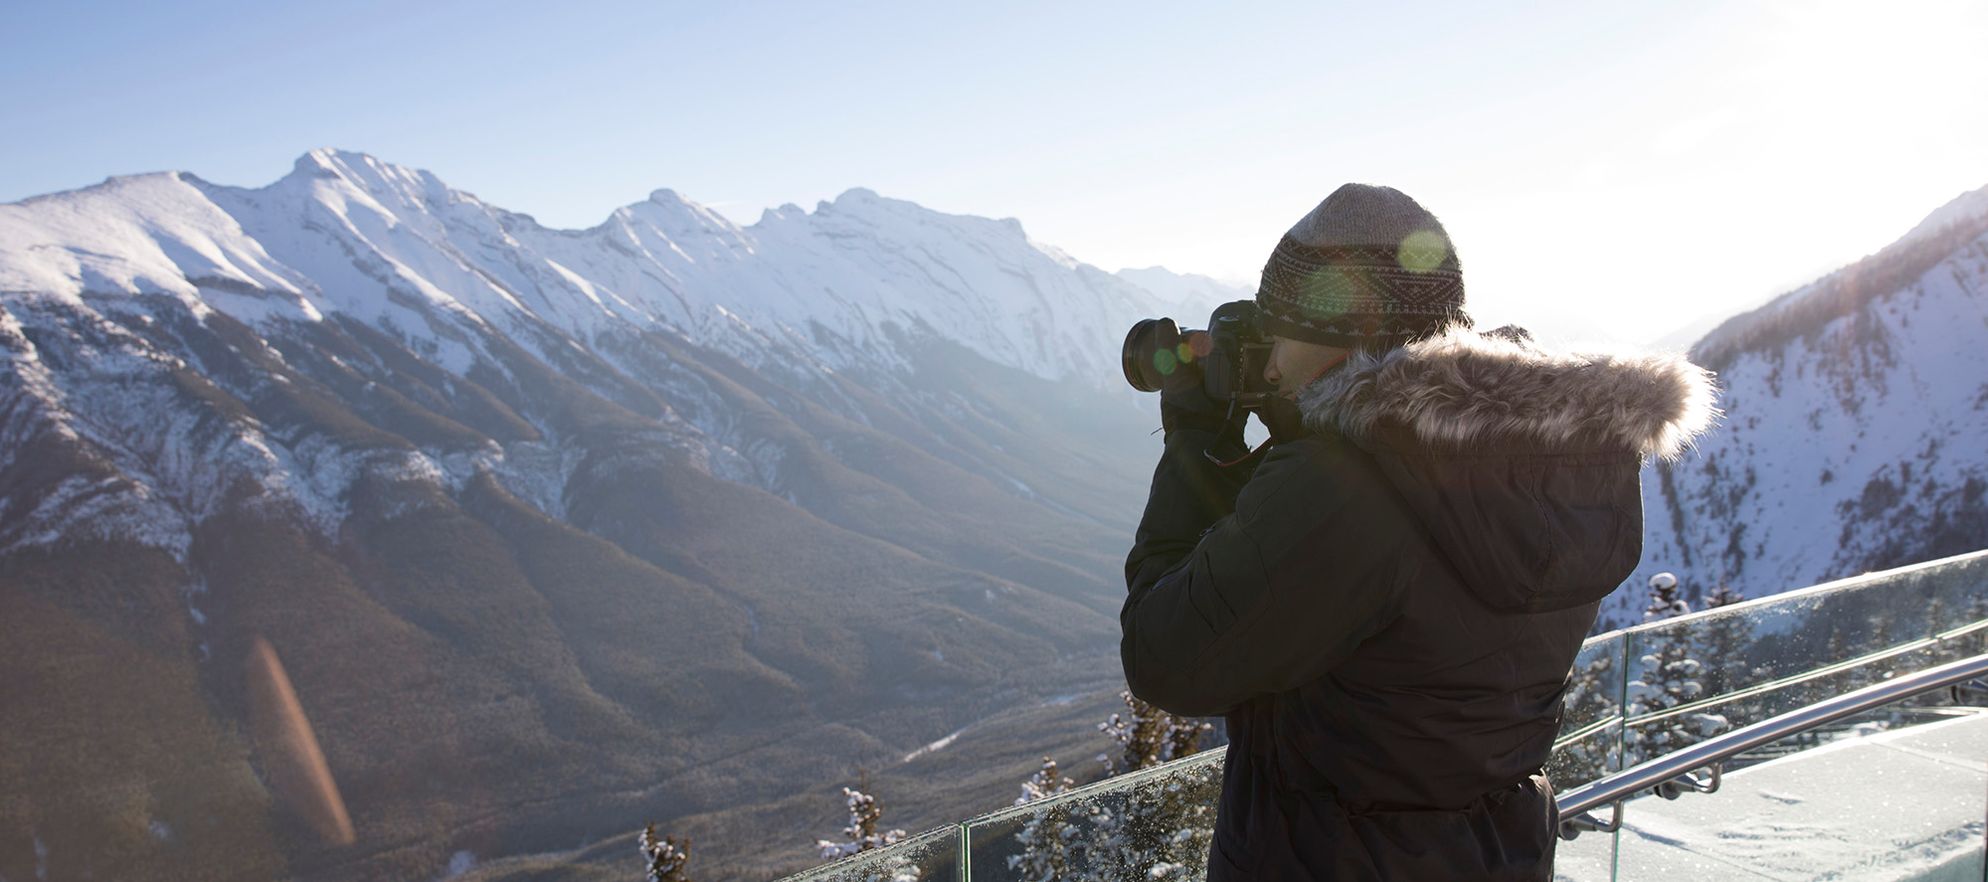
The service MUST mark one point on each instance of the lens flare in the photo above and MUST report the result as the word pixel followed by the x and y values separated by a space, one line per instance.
pixel 1422 251
pixel 1164 361
pixel 289 748
pixel 1199 343
pixel 1328 291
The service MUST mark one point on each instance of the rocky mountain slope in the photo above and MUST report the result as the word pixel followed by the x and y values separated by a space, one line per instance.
pixel 549 531
pixel 1855 412
pixel 553 531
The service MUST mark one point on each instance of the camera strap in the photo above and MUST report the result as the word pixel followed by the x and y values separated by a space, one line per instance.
pixel 1222 464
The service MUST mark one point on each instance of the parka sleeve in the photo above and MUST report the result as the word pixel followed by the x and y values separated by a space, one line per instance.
pixel 1226 605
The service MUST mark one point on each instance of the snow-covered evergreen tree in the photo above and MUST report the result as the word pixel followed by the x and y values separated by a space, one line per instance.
pixel 1725 643
pixel 1881 638
pixel 1147 736
pixel 1592 695
pixel 1179 830
pixel 668 858
pixel 1046 837
pixel 1964 646
pixel 1938 622
pixel 1664 600
pixel 1669 678
pixel 1162 831
pixel 1975 643
pixel 865 813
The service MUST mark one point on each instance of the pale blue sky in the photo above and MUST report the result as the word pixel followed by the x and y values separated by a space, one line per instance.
pixel 1623 167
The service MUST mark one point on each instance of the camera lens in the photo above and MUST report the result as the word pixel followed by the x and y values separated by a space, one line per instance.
pixel 1152 352
pixel 1141 343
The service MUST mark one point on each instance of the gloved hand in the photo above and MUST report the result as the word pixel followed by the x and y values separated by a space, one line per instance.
pixel 1184 399
pixel 1283 418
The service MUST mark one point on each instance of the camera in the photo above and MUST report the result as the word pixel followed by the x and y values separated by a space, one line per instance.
pixel 1229 355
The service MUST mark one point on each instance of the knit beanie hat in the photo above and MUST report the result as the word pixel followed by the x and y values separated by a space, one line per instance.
pixel 1369 268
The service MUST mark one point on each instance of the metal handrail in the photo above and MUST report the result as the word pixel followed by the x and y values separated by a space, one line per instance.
pixel 1674 770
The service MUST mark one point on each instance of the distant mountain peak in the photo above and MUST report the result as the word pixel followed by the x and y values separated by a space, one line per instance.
pixel 1807 310
pixel 786 211
pixel 317 163
pixel 674 215
pixel 1192 295
pixel 352 165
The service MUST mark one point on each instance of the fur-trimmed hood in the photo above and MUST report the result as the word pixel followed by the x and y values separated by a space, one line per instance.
pixel 1524 465
pixel 1463 389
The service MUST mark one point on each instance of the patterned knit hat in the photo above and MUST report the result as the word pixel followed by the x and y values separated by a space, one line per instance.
pixel 1368 268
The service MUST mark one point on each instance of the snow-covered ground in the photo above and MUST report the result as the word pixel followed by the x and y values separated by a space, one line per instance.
pixel 1910 804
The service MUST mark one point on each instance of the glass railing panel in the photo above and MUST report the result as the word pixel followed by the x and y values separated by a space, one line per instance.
pixel 931 856
pixel 1900 794
pixel 1148 825
pixel 1590 748
pixel 1633 695
pixel 1589 745
pixel 1693 677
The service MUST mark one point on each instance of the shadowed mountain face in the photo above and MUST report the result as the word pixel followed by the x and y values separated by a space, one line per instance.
pixel 1855 409
pixel 349 524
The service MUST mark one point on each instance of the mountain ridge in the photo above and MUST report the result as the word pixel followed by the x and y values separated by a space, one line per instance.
pixel 438 265
pixel 699 522
pixel 1849 404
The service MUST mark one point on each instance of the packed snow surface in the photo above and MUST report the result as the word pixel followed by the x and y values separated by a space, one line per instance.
pixel 1902 805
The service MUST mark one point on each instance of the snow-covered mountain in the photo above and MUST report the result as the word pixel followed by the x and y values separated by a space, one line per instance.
pixel 1187 292
pixel 849 289
pixel 683 517
pixel 1856 409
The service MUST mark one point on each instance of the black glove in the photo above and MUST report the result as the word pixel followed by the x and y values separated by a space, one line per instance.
pixel 1184 399
pixel 1281 416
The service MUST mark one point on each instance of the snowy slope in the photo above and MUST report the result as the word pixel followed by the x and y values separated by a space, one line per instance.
pixel 1855 412
pixel 1191 295
pixel 681 516
pixel 824 283
pixel 803 298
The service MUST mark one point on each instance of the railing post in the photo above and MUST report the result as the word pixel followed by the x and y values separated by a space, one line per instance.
pixel 1689 783
pixel 1586 822
pixel 1622 702
pixel 966 852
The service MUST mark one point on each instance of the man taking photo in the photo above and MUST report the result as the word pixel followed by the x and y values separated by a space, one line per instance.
pixel 1387 601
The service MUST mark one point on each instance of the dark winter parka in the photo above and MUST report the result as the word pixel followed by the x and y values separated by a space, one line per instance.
pixel 1387 608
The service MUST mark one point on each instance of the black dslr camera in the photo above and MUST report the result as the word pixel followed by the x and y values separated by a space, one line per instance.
pixel 1229 355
